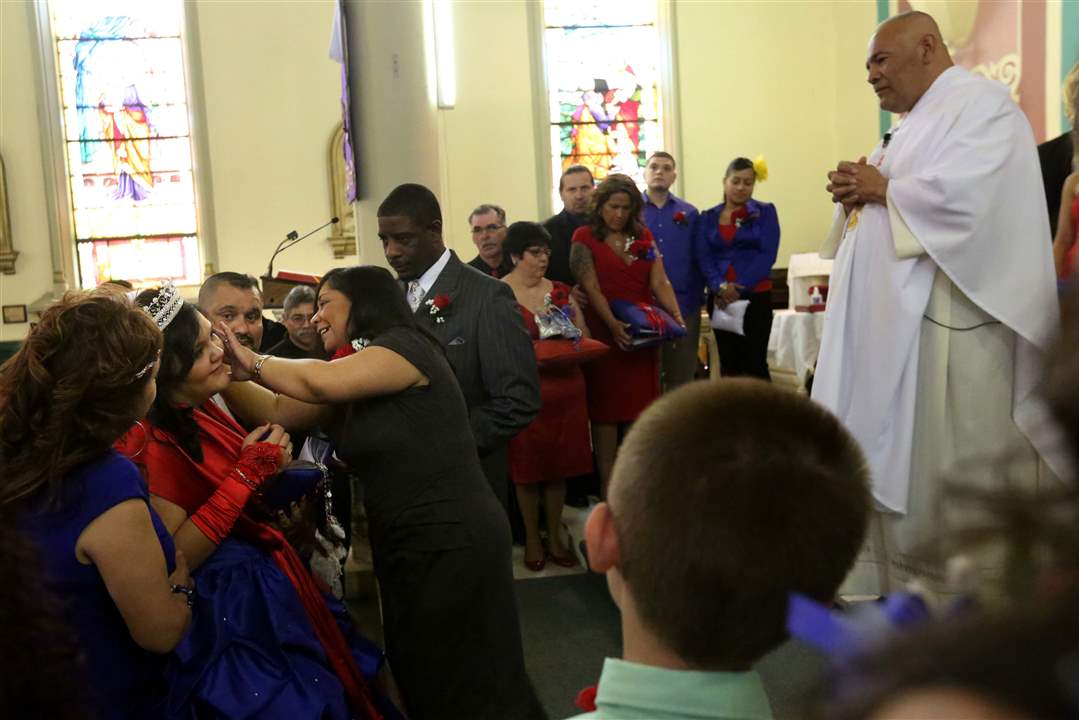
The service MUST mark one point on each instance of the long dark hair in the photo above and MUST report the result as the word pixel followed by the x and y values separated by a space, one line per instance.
pixel 72 390
pixel 611 185
pixel 177 359
pixel 378 303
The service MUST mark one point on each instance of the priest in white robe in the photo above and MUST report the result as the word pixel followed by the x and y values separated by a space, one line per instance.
pixel 942 300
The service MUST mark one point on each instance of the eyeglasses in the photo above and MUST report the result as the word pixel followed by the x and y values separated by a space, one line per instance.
pixel 480 229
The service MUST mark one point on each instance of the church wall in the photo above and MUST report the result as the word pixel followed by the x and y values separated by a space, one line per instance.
pixel 20 144
pixel 271 107
pixel 759 78
pixel 785 80
pixel 395 123
pixel 490 137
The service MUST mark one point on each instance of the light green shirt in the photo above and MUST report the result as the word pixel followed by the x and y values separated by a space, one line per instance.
pixel 631 691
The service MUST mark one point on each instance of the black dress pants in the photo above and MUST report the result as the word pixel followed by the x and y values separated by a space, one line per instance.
pixel 747 355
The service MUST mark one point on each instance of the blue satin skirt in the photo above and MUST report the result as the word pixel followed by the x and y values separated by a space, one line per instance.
pixel 251 651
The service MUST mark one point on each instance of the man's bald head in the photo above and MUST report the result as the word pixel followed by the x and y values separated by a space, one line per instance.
pixel 906 54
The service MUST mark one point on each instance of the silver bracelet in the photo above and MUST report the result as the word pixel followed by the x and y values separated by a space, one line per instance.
pixel 257 370
pixel 244 479
pixel 189 593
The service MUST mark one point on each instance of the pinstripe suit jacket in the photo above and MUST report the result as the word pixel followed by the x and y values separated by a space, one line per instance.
pixel 491 354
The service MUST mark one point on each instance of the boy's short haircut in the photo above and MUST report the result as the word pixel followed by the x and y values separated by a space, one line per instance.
pixel 727 497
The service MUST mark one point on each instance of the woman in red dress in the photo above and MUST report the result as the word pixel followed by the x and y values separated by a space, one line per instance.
pixel 265 641
pixel 556 445
pixel 623 382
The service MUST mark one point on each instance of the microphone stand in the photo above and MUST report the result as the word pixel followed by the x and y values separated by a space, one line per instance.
pixel 291 239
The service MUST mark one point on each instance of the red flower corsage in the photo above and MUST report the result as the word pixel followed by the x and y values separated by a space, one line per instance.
pixel 640 249
pixel 586 699
pixel 438 305
pixel 559 296
pixel 353 347
pixel 680 217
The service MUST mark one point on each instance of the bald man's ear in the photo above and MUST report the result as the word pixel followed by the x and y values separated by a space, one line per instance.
pixel 929 44
pixel 601 537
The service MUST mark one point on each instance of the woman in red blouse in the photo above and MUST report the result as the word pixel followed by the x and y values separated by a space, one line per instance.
pixel 613 258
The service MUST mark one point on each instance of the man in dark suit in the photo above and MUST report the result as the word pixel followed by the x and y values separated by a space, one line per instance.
pixel 476 318
pixel 575 189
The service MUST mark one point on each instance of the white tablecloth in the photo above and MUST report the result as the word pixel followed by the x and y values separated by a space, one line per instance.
pixel 795 341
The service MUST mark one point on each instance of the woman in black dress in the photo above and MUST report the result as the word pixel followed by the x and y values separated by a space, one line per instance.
pixel 440 539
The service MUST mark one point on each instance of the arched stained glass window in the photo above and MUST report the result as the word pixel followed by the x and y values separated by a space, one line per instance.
pixel 602 62
pixel 127 137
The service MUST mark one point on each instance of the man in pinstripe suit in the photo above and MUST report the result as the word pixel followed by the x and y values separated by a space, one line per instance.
pixel 475 317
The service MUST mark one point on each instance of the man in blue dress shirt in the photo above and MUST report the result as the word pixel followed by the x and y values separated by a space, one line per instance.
pixel 672 221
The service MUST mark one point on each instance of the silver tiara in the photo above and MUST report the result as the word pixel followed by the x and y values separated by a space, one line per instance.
pixel 165 305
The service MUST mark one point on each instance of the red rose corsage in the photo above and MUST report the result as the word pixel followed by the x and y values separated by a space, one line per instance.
pixel 586 699
pixel 559 296
pixel 680 217
pixel 438 306
pixel 640 249
pixel 353 347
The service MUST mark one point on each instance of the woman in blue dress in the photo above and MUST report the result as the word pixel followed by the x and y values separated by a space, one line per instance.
pixel 85 373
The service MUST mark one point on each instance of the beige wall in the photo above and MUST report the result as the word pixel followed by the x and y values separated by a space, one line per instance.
pixel 780 79
pixel 770 88
pixel 395 122
pixel 490 137
pixel 271 107
pixel 20 144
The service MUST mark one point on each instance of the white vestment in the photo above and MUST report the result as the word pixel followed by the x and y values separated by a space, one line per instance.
pixel 940 308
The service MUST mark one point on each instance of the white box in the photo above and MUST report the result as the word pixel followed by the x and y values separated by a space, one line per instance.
pixel 807 282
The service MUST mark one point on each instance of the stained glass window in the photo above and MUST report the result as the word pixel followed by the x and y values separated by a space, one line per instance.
pixel 602 64
pixel 123 95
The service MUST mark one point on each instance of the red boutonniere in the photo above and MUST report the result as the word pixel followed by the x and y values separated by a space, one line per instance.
pixel 353 347
pixel 640 249
pixel 438 305
pixel 680 217
pixel 586 699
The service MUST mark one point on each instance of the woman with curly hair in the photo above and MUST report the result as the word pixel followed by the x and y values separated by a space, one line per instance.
pixel 83 376
pixel 613 257
pixel 263 643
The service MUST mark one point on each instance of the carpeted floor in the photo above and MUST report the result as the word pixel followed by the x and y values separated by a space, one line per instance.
pixel 569 624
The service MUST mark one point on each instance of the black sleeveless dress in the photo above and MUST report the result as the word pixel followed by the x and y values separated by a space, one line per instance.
pixel 441 545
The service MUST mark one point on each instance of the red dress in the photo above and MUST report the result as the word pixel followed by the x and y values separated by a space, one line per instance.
pixel 620 384
pixel 556 445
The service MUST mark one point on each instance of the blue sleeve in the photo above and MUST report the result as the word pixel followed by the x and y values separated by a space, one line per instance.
pixel 761 265
pixel 713 254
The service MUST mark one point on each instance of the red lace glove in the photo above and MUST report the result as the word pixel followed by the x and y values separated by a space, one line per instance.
pixel 219 513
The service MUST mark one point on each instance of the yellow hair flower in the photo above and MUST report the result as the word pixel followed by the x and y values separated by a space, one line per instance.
pixel 761 168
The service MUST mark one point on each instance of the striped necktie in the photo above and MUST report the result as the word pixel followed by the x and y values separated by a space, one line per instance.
pixel 414 294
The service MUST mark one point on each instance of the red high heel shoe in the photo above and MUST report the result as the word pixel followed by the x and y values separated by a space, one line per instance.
pixel 536 565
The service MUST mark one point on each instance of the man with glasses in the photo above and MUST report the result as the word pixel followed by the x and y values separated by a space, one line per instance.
pixel 488 223
pixel 301 341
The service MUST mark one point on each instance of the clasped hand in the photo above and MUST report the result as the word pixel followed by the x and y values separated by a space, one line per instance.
pixel 857 183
